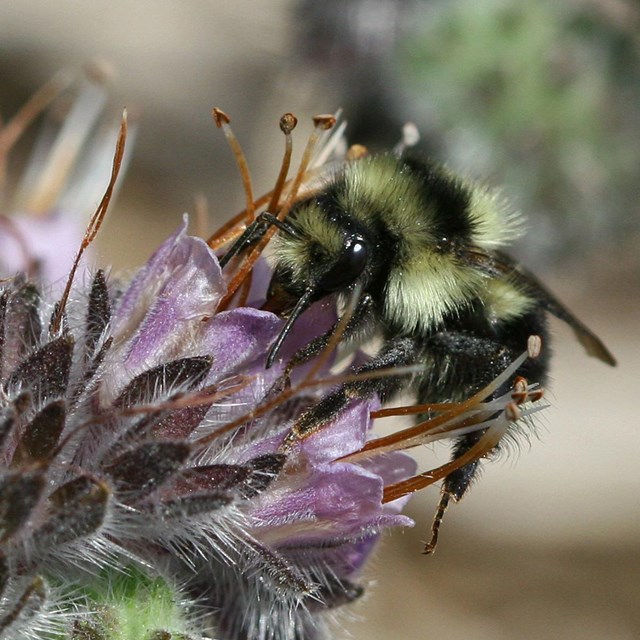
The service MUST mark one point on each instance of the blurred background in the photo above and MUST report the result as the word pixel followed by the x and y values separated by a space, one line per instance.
pixel 541 98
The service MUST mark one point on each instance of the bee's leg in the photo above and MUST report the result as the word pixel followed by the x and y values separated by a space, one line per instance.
pixel 359 317
pixel 250 236
pixel 431 545
pixel 455 485
pixel 254 233
pixel 396 352
pixel 472 362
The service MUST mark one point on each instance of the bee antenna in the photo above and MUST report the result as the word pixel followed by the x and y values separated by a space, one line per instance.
pixel 302 304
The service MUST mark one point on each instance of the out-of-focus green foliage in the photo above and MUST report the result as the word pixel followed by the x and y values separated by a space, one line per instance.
pixel 542 96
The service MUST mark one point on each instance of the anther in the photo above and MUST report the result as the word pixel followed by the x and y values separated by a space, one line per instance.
pixel 324 121
pixel 534 346
pixel 512 412
pixel 357 151
pixel 288 123
pixel 220 117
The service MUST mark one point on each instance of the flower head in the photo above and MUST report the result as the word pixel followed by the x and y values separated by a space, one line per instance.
pixel 116 448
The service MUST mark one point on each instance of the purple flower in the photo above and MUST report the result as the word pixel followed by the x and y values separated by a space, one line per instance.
pixel 119 449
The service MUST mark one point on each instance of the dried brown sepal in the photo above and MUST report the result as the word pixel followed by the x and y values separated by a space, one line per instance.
pixel 284 577
pixel 140 431
pixel 153 383
pixel 20 492
pixel 45 373
pixel 98 311
pixel 180 423
pixel 77 509
pixel 220 477
pixel 146 467
pixel 192 504
pixel 22 325
pixel 41 435
pixel 264 469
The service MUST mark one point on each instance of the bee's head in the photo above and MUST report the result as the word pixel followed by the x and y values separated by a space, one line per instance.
pixel 324 252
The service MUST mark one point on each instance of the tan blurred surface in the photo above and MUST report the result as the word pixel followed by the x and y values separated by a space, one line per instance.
pixel 547 545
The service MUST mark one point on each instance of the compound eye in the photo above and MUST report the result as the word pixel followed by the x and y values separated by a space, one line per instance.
pixel 347 268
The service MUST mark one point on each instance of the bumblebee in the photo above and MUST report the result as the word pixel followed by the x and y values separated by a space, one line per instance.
pixel 422 248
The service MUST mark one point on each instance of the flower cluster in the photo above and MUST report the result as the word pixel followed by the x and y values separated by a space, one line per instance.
pixel 143 493
pixel 117 451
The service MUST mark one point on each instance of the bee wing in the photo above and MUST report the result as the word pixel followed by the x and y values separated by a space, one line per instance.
pixel 498 264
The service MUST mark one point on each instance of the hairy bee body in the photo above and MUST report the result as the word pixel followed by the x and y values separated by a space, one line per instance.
pixel 421 249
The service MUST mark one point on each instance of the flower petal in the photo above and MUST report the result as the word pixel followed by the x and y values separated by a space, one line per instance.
pixel 160 315
pixel 237 338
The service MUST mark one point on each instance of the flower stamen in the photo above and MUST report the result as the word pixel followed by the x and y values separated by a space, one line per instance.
pixel 11 132
pixel 223 122
pixel 322 123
